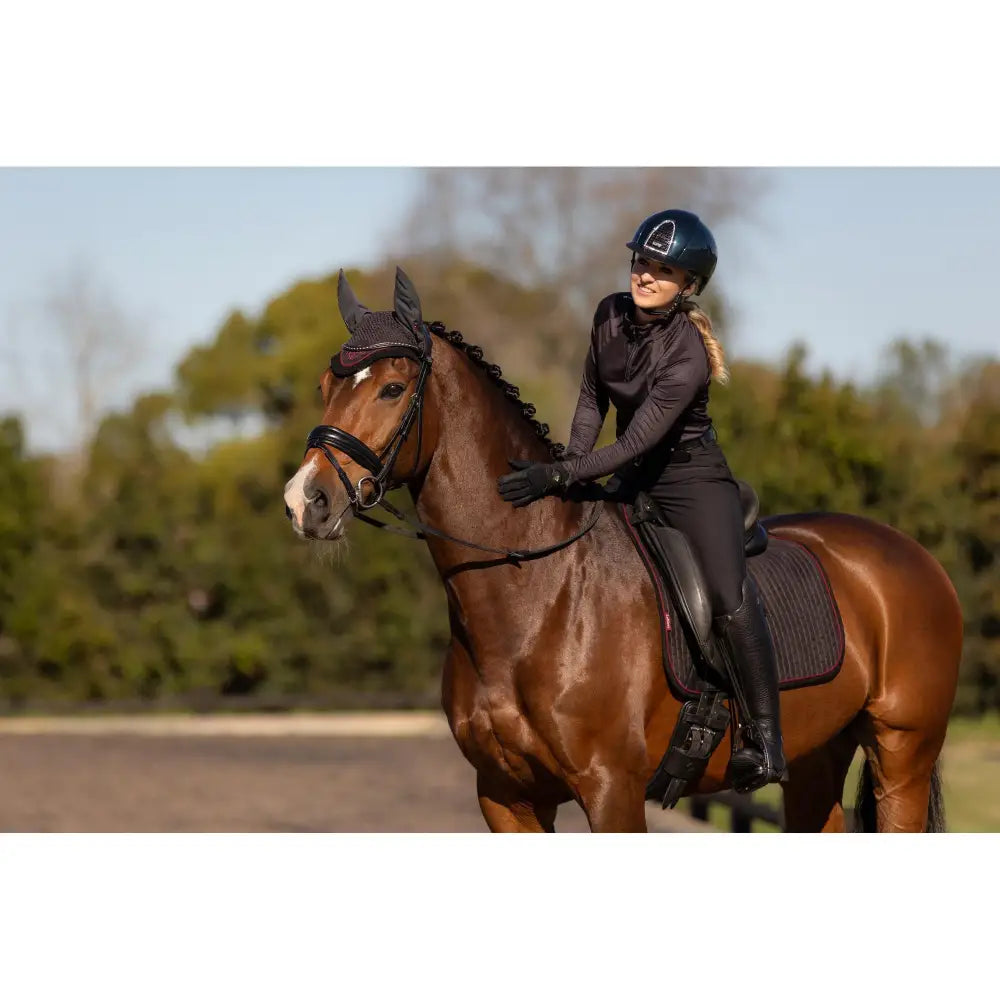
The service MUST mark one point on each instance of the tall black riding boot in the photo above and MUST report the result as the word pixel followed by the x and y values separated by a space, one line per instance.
pixel 746 644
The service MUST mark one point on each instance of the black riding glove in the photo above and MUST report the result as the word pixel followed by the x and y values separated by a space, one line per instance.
pixel 614 486
pixel 531 481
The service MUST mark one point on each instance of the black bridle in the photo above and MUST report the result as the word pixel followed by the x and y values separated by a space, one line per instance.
pixel 325 437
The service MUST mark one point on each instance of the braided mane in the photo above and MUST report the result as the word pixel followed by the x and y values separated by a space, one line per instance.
pixel 495 375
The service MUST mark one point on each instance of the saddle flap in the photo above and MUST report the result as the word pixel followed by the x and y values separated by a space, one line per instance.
pixel 679 567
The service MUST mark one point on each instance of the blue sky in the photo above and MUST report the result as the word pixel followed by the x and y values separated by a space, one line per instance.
pixel 843 259
pixel 848 259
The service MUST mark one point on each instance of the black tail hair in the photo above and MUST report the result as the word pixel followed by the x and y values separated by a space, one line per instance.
pixel 864 805
pixel 935 807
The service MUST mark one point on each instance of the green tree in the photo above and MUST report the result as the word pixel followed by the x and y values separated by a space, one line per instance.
pixel 159 564
pixel 977 451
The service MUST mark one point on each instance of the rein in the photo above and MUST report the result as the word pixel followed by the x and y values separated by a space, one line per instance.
pixel 324 437
pixel 516 555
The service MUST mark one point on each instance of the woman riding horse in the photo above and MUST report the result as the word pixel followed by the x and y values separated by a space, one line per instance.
pixel 653 354
pixel 535 688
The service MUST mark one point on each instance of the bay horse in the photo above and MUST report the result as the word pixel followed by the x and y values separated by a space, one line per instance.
pixel 553 683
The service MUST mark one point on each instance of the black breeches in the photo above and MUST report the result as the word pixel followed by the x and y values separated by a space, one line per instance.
pixel 700 498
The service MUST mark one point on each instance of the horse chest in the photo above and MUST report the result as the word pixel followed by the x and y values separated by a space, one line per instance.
pixel 493 735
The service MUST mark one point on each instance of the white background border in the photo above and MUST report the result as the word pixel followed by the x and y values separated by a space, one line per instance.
pixel 512 83
pixel 509 83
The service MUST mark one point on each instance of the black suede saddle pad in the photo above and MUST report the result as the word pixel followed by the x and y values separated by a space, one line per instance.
pixel 801 611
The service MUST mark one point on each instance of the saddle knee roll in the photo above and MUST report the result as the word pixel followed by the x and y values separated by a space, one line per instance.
pixel 754 533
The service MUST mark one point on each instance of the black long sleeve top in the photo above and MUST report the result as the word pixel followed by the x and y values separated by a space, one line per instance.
pixel 657 376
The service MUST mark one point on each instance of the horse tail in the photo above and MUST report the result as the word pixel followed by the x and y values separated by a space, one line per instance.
pixel 864 809
pixel 864 804
pixel 935 807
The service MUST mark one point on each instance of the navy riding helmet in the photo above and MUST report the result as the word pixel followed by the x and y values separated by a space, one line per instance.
pixel 680 238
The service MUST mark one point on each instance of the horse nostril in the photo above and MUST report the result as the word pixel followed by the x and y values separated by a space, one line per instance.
pixel 320 500
pixel 288 512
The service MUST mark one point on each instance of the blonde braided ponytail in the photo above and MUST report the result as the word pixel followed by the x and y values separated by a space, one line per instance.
pixel 716 357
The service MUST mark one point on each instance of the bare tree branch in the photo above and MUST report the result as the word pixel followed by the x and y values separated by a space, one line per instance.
pixel 563 229
pixel 70 350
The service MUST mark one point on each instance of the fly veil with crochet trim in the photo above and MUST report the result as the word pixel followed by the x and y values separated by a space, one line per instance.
pixel 376 335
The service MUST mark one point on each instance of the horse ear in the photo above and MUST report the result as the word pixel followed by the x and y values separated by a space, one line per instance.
pixel 406 302
pixel 351 310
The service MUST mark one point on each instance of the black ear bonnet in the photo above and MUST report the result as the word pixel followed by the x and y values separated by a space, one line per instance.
pixel 376 335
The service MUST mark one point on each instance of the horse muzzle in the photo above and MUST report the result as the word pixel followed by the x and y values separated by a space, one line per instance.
pixel 324 517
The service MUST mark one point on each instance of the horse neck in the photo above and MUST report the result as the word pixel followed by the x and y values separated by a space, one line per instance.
pixel 478 431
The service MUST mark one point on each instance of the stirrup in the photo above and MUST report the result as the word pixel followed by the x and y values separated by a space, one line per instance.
pixel 752 781
pixel 759 769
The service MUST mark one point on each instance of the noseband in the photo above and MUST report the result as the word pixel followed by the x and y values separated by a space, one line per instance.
pixel 324 437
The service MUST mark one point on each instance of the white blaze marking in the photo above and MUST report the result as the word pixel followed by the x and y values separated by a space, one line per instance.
pixel 361 376
pixel 295 489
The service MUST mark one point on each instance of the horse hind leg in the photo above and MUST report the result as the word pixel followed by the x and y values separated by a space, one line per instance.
pixel 814 792
pixel 903 778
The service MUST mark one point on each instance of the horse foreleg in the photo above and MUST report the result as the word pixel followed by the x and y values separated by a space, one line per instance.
pixel 614 803
pixel 506 810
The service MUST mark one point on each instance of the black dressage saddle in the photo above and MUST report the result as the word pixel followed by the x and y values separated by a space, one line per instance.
pixel 676 561
pixel 801 613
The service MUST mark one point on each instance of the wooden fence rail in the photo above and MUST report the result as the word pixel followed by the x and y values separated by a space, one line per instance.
pixel 743 810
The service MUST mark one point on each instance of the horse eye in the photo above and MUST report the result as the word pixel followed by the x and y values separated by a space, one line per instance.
pixel 392 391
